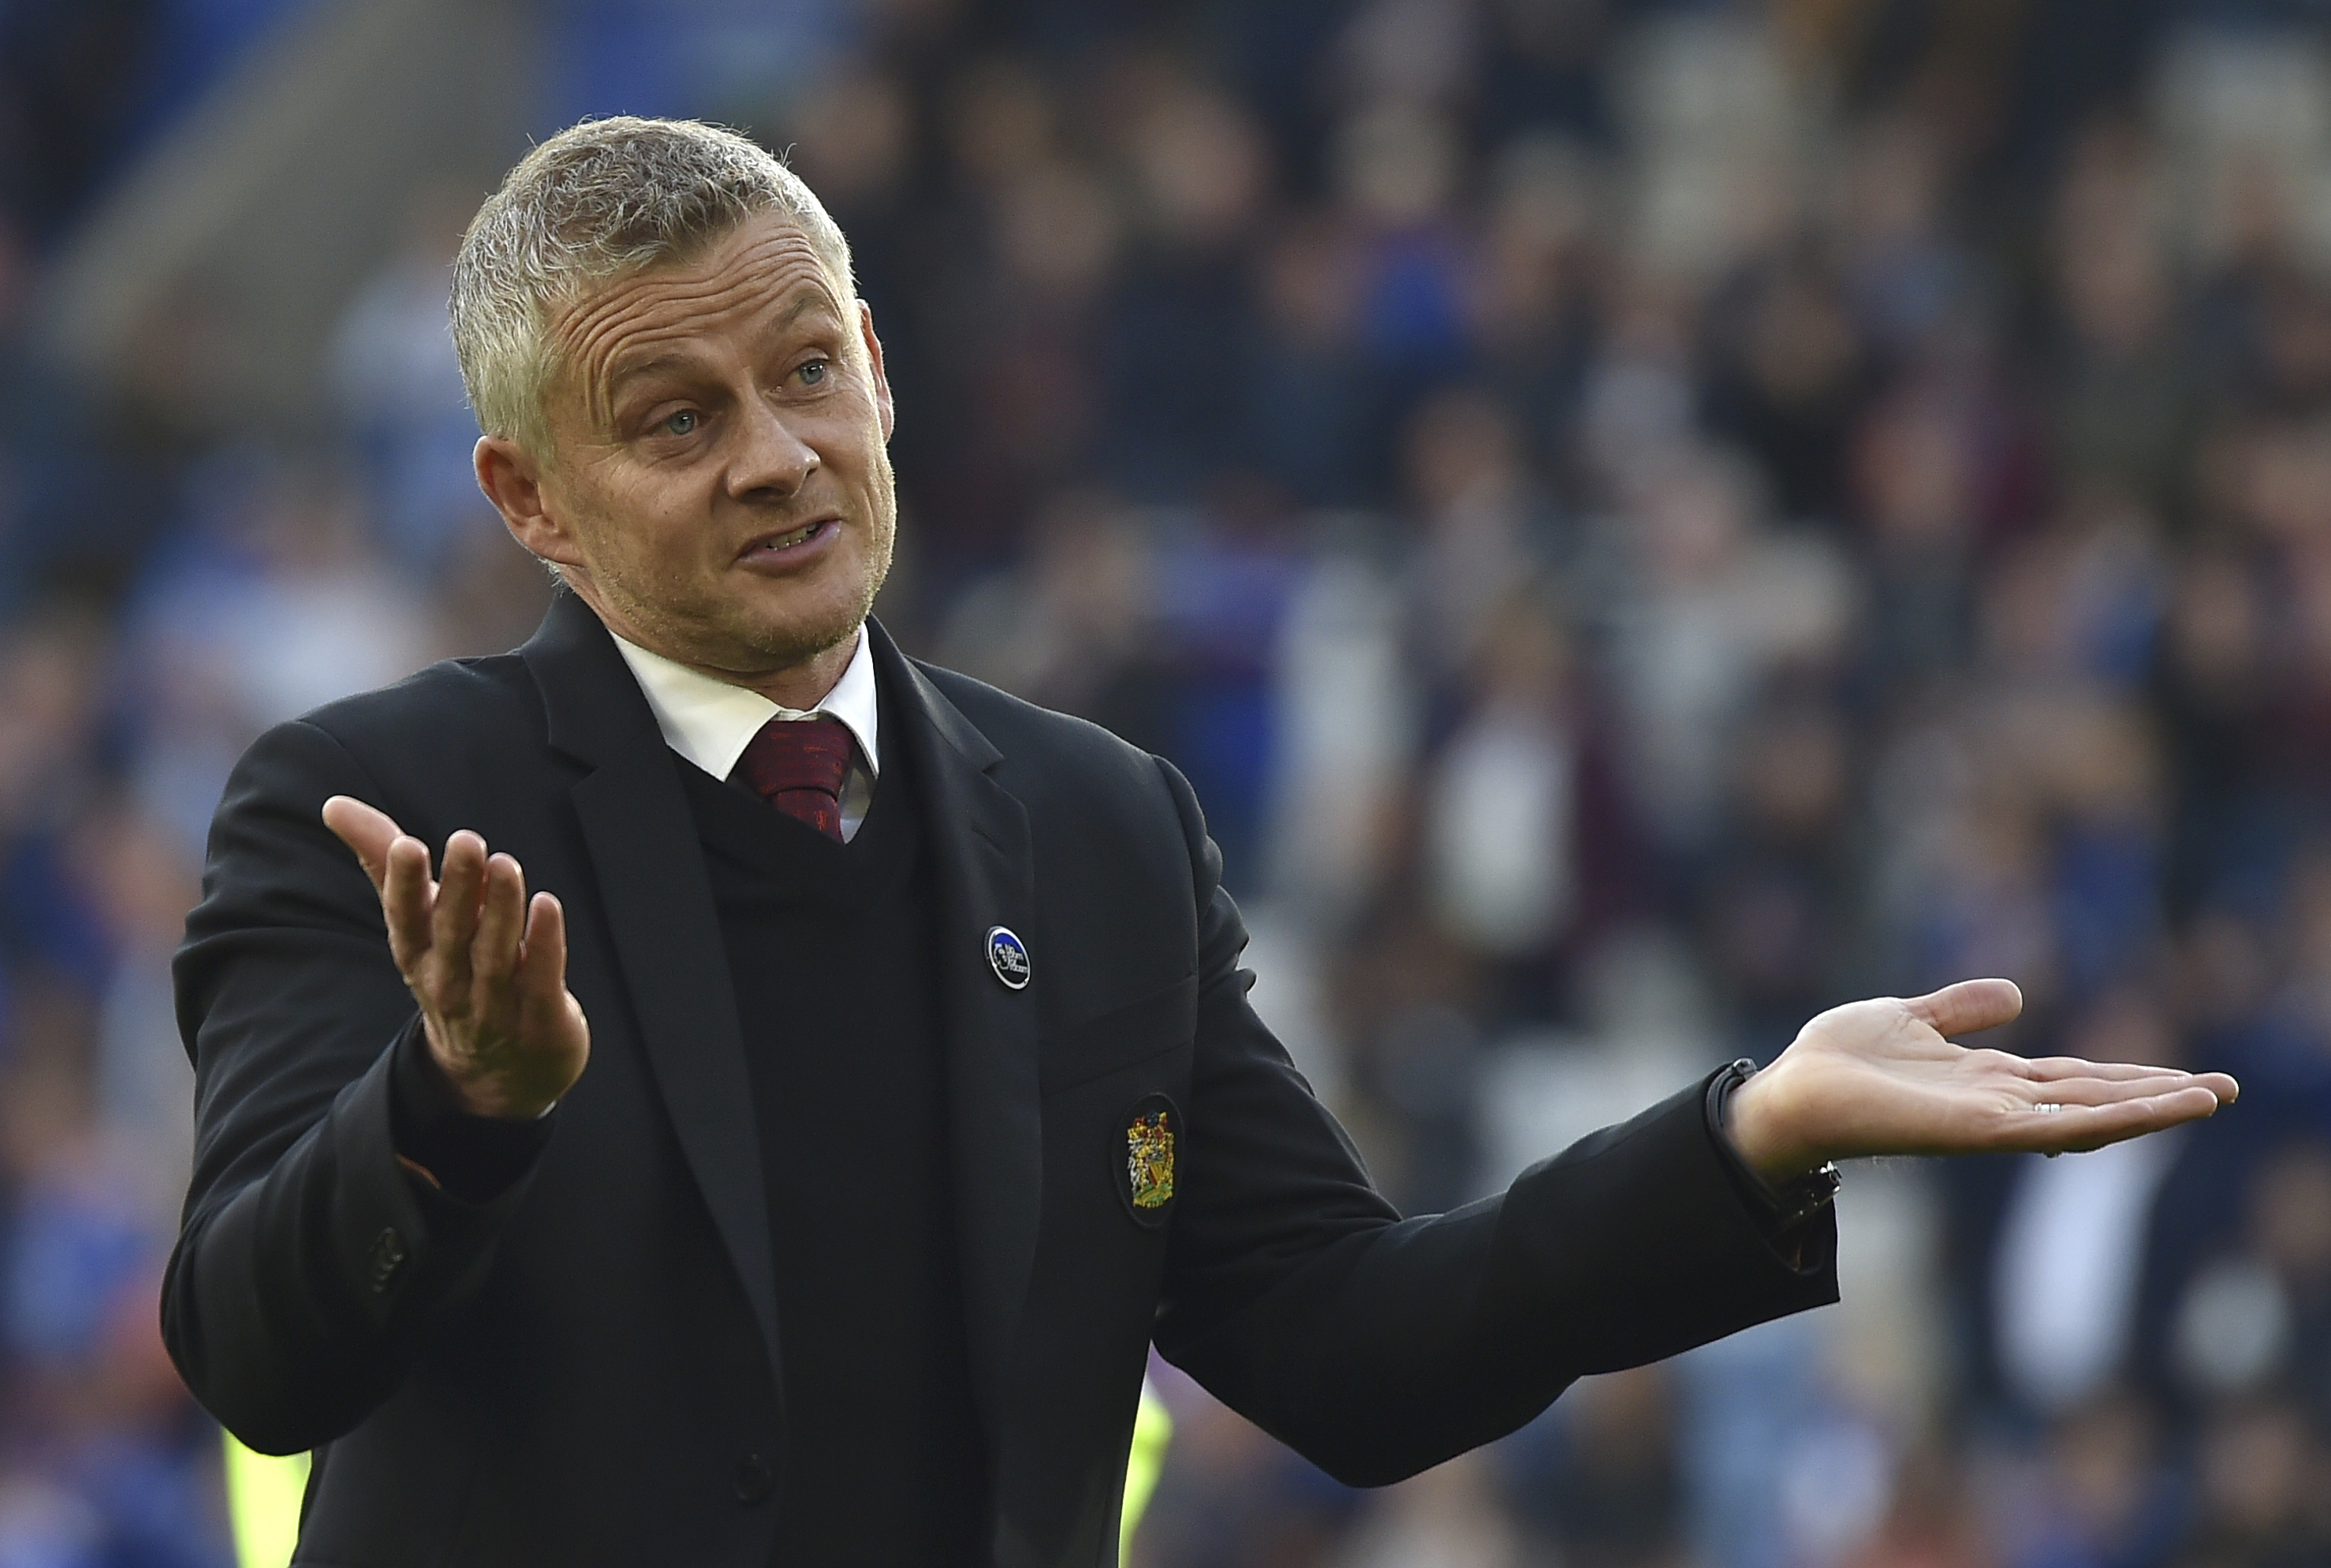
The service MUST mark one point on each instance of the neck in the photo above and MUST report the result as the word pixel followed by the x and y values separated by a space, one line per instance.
pixel 800 686
pixel 803 686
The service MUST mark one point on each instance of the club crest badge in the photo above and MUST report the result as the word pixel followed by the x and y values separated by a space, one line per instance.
pixel 1153 1132
pixel 1008 956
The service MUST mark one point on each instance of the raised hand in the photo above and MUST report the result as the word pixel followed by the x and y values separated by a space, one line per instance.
pixel 487 965
pixel 1883 1077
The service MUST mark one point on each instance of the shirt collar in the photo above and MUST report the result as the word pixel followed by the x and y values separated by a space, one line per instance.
pixel 710 722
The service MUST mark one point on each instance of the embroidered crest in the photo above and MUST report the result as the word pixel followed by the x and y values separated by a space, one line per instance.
pixel 1149 1159
pixel 1144 1167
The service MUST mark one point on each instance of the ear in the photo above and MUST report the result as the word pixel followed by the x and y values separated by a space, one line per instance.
pixel 511 477
pixel 874 359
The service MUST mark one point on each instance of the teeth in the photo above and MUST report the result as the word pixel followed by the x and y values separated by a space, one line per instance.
pixel 788 541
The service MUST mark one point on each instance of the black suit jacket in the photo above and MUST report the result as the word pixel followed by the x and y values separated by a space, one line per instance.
pixel 579 1371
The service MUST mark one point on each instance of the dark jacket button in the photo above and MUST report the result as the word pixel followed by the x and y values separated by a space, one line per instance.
pixel 752 1478
pixel 388 1258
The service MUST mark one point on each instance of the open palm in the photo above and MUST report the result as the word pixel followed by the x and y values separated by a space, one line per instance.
pixel 486 963
pixel 1883 1076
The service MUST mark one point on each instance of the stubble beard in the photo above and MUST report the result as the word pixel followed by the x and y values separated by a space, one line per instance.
pixel 789 648
pixel 765 649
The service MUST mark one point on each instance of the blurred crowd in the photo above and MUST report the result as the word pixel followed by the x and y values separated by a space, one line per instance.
pixel 1641 522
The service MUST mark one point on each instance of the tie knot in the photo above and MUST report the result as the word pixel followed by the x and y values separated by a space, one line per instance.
pixel 797 765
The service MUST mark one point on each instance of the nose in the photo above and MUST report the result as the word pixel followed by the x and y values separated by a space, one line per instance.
pixel 772 462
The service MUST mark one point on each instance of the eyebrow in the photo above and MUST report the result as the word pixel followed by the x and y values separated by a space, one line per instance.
pixel 809 299
pixel 634 369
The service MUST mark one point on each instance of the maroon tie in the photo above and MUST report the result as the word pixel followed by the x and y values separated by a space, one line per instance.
pixel 797 765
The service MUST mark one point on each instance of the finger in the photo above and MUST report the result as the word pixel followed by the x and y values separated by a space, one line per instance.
pixel 2050 1069
pixel 366 828
pixel 542 966
pixel 2080 1128
pixel 407 897
pixel 454 921
pixel 501 921
pixel 2042 1068
pixel 2106 1091
pixel 1967 1006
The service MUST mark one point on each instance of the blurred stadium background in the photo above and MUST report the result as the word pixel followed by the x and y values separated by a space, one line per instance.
pixel 1640 519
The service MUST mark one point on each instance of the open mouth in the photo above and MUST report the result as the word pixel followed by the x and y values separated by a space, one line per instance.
pixel 793 539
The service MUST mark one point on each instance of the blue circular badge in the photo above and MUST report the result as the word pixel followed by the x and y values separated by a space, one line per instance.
pixel 1008 956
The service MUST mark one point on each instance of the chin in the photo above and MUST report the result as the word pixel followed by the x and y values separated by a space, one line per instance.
pixel 806 615
pixel 798 639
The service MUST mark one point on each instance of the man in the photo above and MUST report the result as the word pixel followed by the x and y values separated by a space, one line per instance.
pixel 803 1170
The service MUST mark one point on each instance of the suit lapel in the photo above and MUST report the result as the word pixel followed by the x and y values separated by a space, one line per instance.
pixel 983 876
pixel 659 908
pixel 650 870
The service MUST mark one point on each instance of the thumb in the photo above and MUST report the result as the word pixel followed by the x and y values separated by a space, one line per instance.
pixel 1967 1006
pixel 366 830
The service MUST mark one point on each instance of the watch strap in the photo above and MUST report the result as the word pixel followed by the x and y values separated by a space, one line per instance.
pixel 1785 1205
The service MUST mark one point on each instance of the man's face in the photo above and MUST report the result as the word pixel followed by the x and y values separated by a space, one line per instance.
pixel 719 488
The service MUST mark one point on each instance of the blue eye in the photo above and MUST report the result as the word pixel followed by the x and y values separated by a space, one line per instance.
pixel 685 423
pixel 813 374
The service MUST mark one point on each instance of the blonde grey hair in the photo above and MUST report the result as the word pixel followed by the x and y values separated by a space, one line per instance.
pixel 596 202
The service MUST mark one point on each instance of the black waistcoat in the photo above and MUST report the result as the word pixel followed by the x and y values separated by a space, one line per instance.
pixel 829 947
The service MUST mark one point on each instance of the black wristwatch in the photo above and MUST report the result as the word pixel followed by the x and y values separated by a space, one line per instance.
pixel 1791 1202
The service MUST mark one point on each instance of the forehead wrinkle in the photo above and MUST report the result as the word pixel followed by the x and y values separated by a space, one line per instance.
pixel 674 299
pixel 633 356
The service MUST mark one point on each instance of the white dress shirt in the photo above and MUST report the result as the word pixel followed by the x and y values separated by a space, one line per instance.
pixel 710 722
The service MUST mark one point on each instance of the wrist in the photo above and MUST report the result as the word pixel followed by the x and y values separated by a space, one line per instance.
pixel 1757 1123
pixel 486 1099
pixel 489 1095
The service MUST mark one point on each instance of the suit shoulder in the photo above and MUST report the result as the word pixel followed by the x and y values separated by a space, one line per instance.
pixel 456 719
pixel 1065 746
pixel 453 696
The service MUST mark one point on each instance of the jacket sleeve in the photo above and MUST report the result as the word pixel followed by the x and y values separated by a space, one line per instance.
pixel 1378 1347
pixel 310 1266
